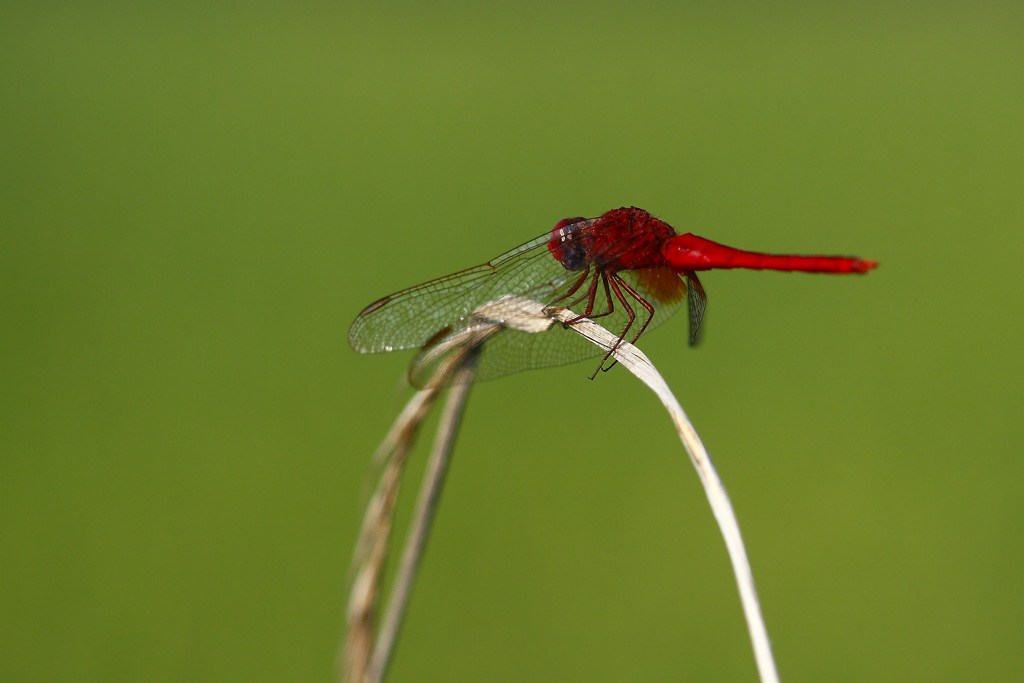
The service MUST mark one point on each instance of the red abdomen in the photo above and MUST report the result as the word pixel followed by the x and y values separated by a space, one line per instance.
pixel 690 252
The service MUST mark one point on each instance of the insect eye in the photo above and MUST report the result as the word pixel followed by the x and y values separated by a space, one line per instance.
pixel 569 251
pixel 566 226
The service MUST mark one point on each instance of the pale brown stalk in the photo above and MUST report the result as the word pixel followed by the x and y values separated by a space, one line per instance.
pixel 368 662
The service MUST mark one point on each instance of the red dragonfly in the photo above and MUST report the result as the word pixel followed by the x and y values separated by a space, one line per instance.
pixel 630 268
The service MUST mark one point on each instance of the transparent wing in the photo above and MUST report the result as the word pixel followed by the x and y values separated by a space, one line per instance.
pixel 410 318
pixel 698 302
pixel 511 351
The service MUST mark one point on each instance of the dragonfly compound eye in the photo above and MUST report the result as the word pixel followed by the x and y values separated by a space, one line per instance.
pixel 566 244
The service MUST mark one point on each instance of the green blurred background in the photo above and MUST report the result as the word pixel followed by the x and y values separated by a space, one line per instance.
pixel 196 199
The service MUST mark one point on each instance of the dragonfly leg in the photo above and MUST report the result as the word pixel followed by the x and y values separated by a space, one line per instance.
pixel 587 296
pixel 616 281
pixel 592 299
pixel 640 300
pixel 607 297
pixel 572 290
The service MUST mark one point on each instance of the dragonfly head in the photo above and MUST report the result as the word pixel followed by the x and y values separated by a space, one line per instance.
pixel 566 244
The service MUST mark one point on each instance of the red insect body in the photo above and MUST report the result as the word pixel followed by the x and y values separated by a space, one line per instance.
pixel 630 238
pixel 625 266
pixel 689 252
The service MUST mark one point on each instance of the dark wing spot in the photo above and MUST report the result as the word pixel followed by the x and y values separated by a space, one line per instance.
pixel 374 306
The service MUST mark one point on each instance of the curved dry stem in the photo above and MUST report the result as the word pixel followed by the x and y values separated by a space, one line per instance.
pixel 368 560
pixel 422 517
pixel 527 316
pixel 637 363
